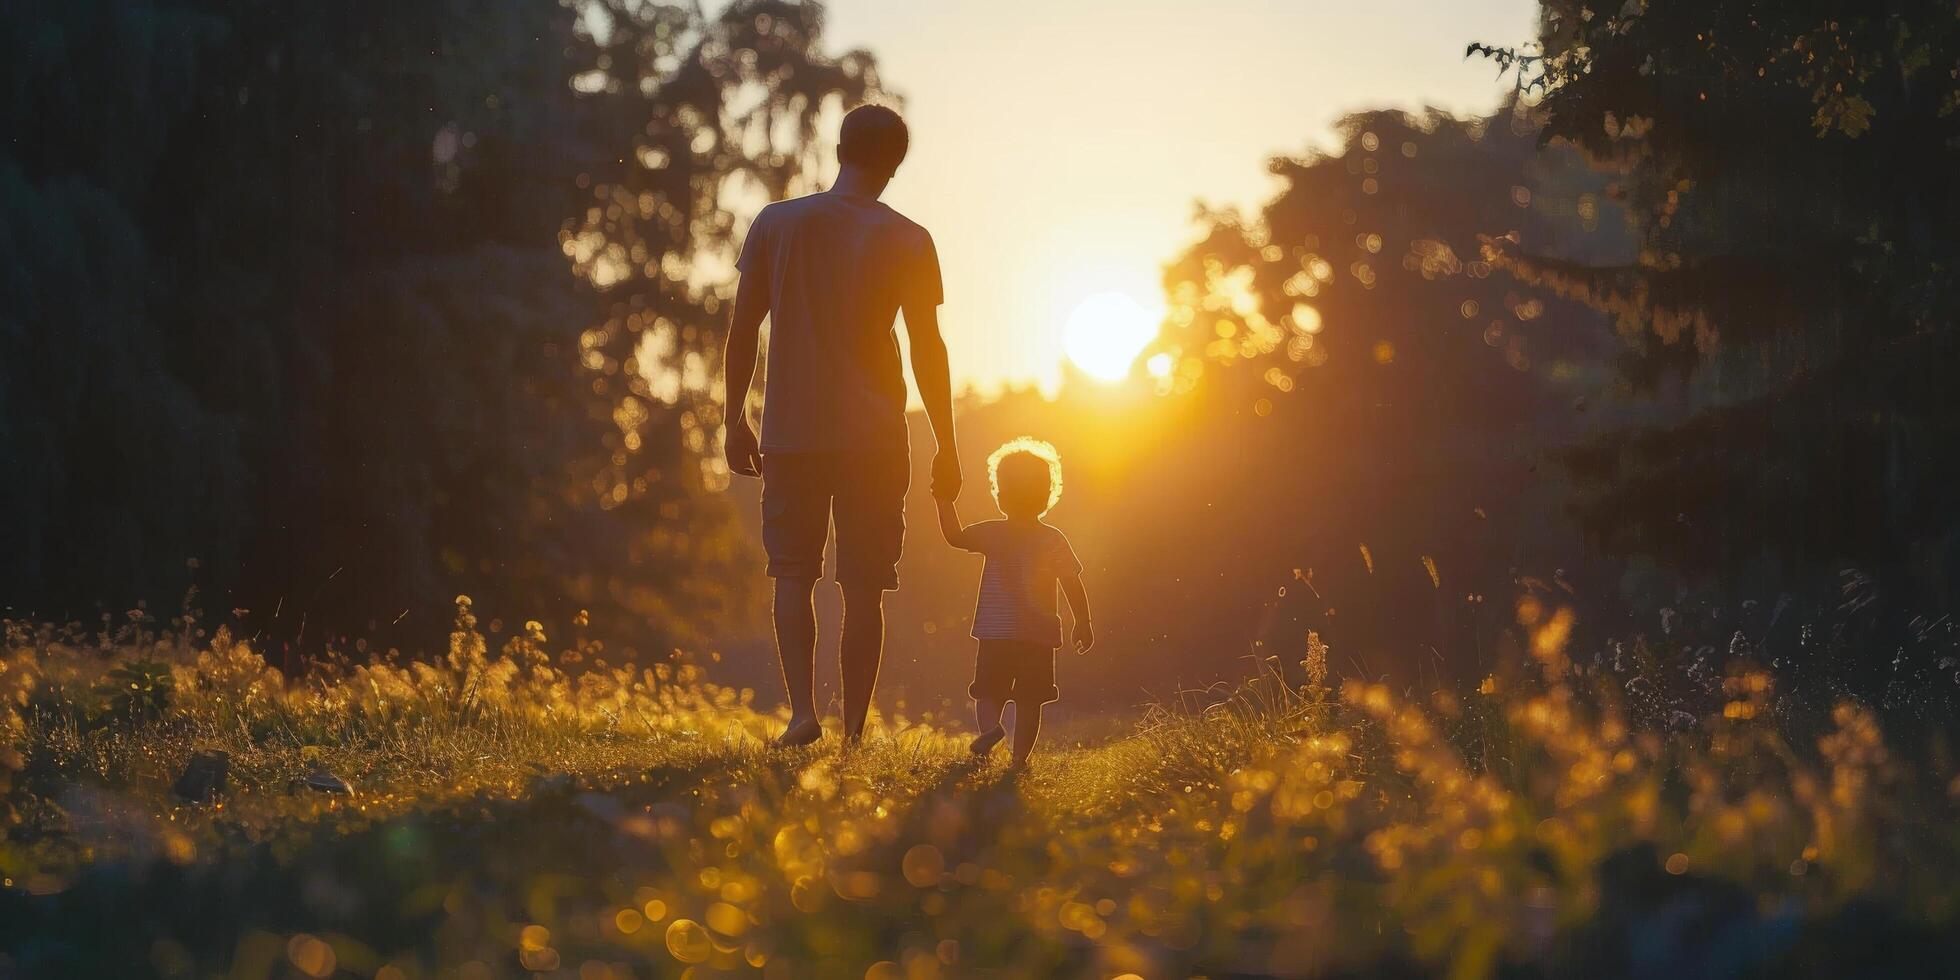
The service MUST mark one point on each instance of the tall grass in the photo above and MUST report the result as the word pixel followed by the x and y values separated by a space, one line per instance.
pixel 536 808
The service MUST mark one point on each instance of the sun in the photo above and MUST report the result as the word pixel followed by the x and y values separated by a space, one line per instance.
pixel 1106 333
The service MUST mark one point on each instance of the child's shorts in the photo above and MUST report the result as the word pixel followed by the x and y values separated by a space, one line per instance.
pixel 1012 670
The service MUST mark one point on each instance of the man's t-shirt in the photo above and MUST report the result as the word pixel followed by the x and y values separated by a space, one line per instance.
pixel 1026 562
pixel 838 268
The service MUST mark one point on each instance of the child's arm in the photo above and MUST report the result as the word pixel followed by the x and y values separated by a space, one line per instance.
pixel 1078 604
pixel 949 525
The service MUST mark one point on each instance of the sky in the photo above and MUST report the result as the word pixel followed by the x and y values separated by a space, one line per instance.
pixel 1059 146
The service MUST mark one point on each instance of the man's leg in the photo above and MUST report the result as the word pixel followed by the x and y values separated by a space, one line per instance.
pixel 870 516
pixel 795 519
pixel 796 647
pixel 862 650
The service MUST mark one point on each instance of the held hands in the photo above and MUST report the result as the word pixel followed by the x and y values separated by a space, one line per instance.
pixel 945 475
pixel 1085 636
pixel 739 445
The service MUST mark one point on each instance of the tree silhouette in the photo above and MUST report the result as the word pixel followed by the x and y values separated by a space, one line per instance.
pixel 287 292
pixel 1789 172
pixel 1389 384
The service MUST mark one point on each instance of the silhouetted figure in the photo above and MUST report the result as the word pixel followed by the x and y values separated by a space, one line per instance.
pixel 1015 619
pixel 832 270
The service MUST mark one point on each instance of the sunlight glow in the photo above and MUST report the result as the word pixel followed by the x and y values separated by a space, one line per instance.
pixel 1106 333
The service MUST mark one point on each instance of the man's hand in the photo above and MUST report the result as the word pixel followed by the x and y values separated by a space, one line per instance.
pixel 1085 636
pixel 946 475
pixel 744 456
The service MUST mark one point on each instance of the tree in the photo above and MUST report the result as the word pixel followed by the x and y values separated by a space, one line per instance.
pixel 1394 397
pixel 287 291
pixel 1788 171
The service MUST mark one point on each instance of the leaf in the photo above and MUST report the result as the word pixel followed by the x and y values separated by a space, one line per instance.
pixel 1848 114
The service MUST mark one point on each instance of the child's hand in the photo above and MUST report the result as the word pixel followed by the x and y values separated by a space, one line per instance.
pixel 1085 636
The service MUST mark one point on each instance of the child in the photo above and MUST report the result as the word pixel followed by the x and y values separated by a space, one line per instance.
pixel 1015 619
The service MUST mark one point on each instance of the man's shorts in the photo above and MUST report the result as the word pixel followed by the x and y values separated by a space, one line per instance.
pixel 1014 670
pixel 864 493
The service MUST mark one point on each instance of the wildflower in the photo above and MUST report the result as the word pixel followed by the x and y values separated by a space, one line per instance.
pixel 1316 664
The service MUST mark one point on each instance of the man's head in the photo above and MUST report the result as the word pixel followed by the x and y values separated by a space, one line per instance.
pixel 873 139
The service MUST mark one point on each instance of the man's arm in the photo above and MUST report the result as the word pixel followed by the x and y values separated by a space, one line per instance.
pixel 1078 604
pixel 738 372
pixel 935 382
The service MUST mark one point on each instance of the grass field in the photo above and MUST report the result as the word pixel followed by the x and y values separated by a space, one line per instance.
pixel 535 810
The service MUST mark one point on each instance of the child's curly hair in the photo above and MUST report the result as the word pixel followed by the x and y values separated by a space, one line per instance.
pixel 1026 459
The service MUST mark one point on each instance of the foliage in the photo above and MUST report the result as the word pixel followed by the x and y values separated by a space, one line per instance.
pixel 1366 264
pixel 1787 169
pixel 17 673
pixel 287 293
pixel 514 812
pixel 136 690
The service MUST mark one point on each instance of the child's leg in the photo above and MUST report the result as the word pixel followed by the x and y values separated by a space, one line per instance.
pixel 992 678
pixel 1027 728
pixel 1034 687
pixel 986 715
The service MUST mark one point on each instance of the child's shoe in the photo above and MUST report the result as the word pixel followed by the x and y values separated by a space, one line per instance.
pixel 986 741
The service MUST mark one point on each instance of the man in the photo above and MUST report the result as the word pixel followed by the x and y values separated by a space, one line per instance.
pixel 832 270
